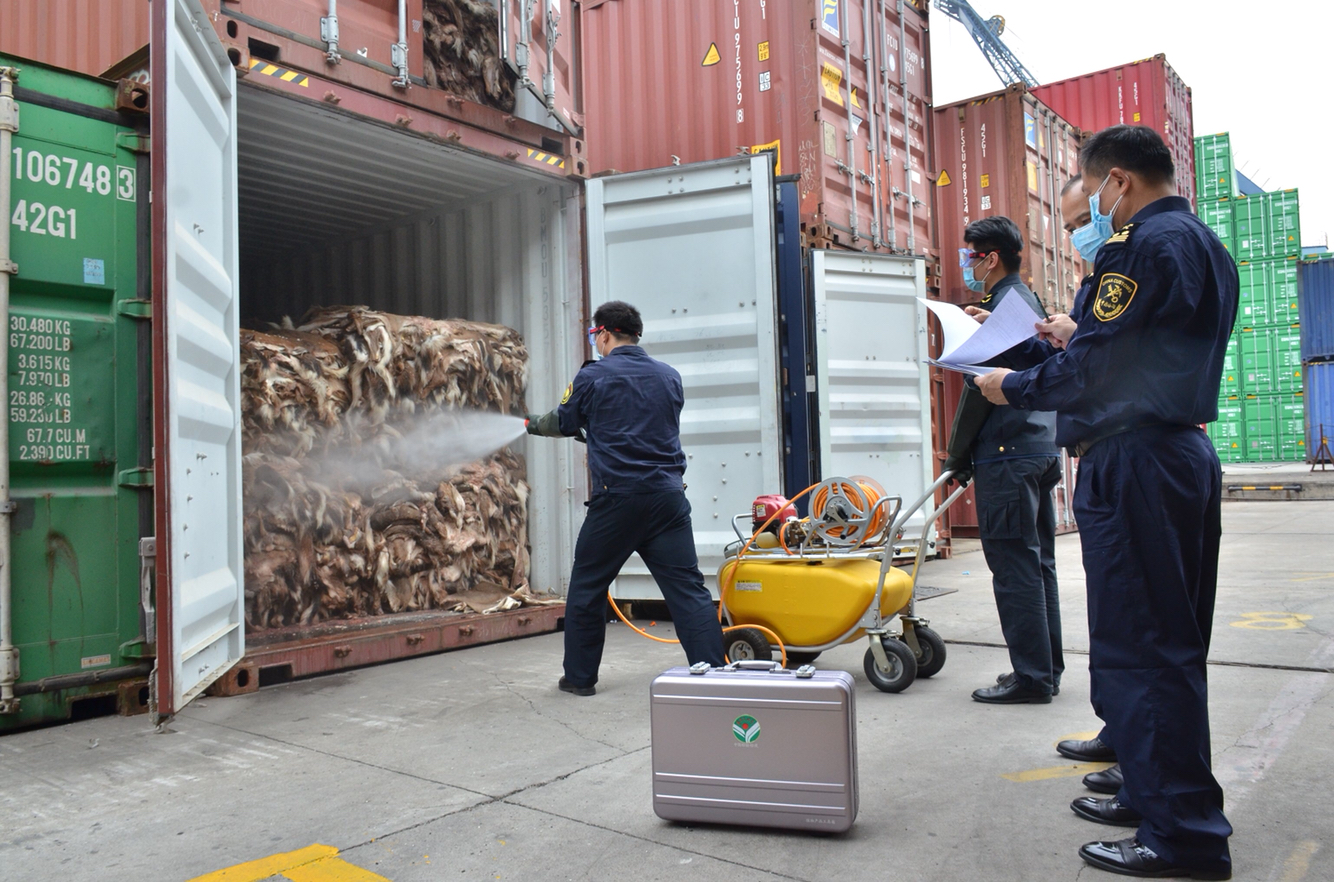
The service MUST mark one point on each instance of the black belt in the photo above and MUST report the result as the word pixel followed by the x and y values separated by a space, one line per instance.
pixel 1084 446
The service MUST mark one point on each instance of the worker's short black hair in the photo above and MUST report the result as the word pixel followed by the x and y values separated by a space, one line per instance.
pixel 622 319
pixel 1071 184
pixel 1137 149
pixel 999 234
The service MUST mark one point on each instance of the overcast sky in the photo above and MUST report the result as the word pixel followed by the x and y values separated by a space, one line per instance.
pixel 1262 72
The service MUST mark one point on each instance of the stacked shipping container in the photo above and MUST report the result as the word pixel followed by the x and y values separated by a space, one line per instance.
pixel 839 93
pixel 1261 400
pixel 1004 154
pixel 1315 287
pixel 1144 93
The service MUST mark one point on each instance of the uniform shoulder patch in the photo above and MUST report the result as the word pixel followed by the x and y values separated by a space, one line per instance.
pixel 569 390
pixel 1122 235
pixel 1115 292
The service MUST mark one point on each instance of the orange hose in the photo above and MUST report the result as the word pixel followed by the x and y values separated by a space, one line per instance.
pixel 745 547
pixel 782 651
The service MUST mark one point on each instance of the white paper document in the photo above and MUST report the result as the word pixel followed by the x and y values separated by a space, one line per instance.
pixel 967 343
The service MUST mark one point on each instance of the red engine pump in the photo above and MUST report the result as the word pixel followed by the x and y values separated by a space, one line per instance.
pixel 764 507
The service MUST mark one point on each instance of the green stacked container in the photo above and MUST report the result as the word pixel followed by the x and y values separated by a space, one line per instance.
pixel 1217 214
pixel 1215 172
pixel 1266 226
pixel 76 323
pixel 1260 393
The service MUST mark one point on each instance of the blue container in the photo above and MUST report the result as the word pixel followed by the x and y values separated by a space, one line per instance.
pixel 1319 394
pixel 1315 293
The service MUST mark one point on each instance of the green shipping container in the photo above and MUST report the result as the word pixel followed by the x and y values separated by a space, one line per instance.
pixel 1291 427
pixel 1217 215
pixel 1257 360
pixel 1228 432
pixel 1268 293
pixel 78 339
pixel 1266 226
pixel 1230 383
pixel 1274 427
pixel 1215 174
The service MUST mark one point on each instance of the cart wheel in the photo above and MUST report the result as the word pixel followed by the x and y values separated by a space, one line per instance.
pixel 932 658
pixel 902 667
pixel 797 659
pixel 747 644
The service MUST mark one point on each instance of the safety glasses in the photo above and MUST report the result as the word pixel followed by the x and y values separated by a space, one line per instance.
pixel 593 335
pixel 966 256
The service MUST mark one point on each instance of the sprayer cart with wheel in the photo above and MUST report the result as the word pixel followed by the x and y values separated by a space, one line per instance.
pixel 828 579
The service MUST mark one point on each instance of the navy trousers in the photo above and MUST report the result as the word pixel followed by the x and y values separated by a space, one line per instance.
pixel 1147 504
pixel 657 525
pixel 1017 524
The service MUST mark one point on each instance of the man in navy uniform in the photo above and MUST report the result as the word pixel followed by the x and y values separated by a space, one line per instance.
pixel 1136 378
pixel 628 408
pixel 1015 463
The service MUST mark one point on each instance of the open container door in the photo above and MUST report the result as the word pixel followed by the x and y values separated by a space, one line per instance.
pixel 871 374
pixel 692 247
pixel 196 382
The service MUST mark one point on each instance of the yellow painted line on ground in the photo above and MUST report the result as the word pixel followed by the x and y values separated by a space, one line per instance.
pixel 1075 770
pixel 314 863
pixel 1298 863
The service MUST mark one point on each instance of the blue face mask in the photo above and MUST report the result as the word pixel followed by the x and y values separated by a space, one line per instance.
pixel 1099 228
pixel 973 284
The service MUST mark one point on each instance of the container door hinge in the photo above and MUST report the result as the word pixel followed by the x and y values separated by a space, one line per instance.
pixel 9 506
pixel 147 569
pixel 137 309
pixel 133 142
pixel 137 649
pixel 137 479
pixel 9 266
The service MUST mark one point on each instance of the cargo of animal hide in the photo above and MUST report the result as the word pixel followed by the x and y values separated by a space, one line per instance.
pixel 335 526
pixel 460 39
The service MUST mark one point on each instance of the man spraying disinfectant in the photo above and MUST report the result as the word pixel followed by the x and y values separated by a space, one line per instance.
pixel 628 408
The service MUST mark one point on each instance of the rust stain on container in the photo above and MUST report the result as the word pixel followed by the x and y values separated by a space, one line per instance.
pixel 1146 93
pixel 88 36
pixel 782 84
pixel 1007 154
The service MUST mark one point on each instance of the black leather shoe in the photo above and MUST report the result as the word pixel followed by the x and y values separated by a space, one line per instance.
pixel 1009 675
pixel 1130 857
pixel 1106 781
pixel 567 686
pixel 1091 751
pixel 1106 811
pixel 1010 692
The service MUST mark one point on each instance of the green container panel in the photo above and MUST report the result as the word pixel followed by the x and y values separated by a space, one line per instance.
pixel 1217 215
pixel 1215 174
pixel 1268 293
pixel 1266 226
pixel 1257 360
pixel 73 389
pixel 1230 383
pixel 1274 427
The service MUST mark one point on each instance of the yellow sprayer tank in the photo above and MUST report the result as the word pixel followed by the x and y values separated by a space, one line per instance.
pixel 809 602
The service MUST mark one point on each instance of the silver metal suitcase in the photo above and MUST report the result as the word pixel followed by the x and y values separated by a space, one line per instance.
pixel 752 743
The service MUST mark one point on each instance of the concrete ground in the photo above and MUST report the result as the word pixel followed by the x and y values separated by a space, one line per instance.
pixel 471 765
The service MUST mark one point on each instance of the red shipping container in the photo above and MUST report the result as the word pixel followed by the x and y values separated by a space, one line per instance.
pixel 84 35
pixel 1147 93
pixel 838 90
pixel 1007 154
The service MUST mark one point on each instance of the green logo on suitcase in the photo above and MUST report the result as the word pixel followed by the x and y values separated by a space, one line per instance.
pixel 746 729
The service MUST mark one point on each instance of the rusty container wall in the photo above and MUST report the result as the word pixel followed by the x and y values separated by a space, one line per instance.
pixel 1007 154
pixel 88 36
pixel 1147 93
pixel 685 82
pixel 280 40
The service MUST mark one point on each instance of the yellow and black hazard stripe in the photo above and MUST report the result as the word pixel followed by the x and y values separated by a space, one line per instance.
pixel 260 66
pixel 546 158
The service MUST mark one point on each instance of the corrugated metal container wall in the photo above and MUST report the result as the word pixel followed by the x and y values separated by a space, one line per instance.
pixel 1007 154
pixel 88 36
pixel 1147 93
pixel 1318 380
pixel 673 83
pixel 1315 296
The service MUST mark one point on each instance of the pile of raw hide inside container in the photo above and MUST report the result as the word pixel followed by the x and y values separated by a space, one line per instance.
pixel 461 44
pixel 337 525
